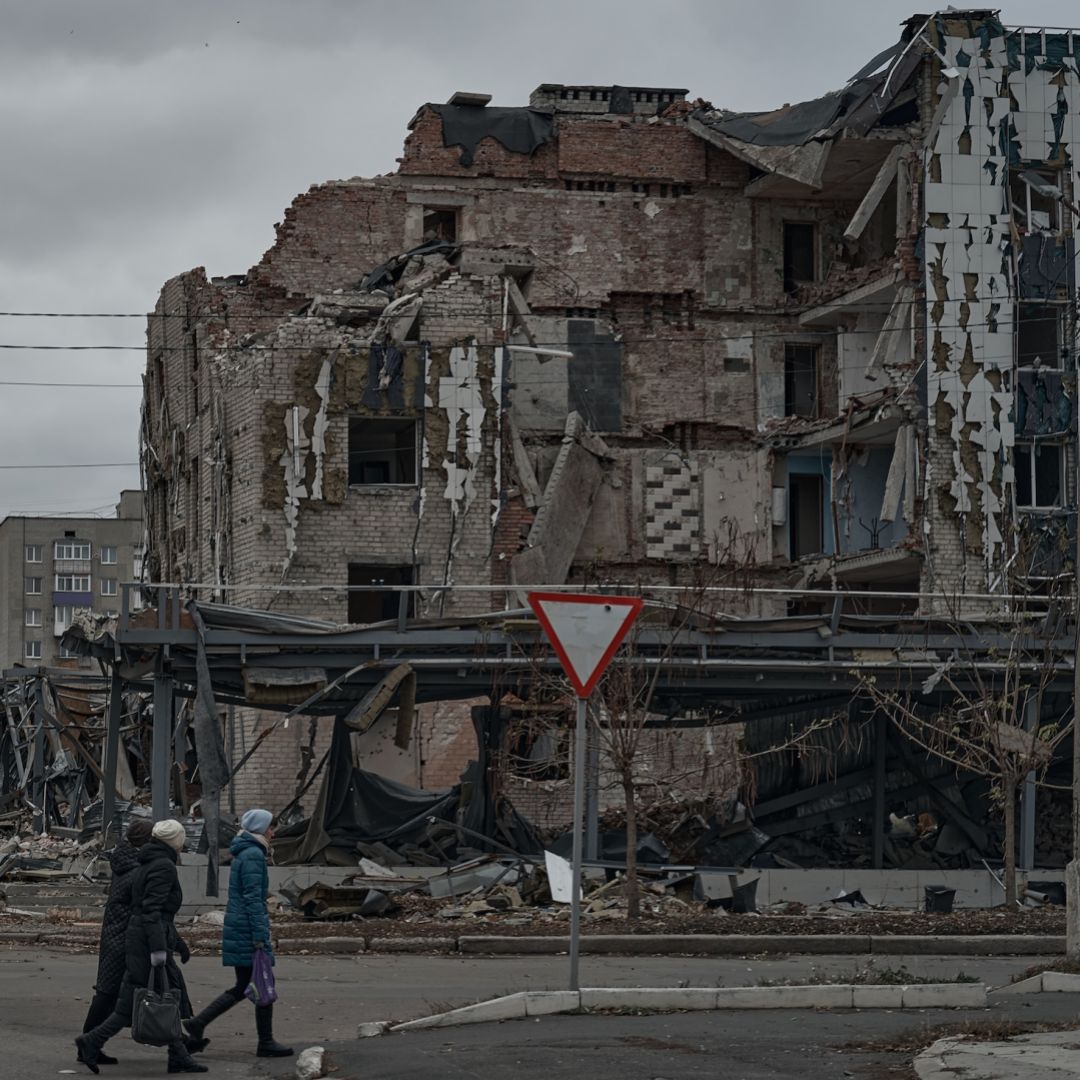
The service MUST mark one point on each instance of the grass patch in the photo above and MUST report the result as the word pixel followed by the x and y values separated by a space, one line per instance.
pixel 870 975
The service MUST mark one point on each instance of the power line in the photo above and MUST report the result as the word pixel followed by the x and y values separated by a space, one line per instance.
pixel 82 385
pixel 79 465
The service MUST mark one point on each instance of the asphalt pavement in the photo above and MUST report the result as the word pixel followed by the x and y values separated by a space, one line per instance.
pixel 44 994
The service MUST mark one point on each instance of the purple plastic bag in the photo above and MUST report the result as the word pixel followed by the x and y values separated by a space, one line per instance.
pixel 261 989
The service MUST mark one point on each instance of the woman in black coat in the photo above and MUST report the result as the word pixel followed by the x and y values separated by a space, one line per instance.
pixel 151 935
pixel 123 860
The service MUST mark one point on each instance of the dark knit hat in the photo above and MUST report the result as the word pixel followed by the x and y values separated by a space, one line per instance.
pixel 138 831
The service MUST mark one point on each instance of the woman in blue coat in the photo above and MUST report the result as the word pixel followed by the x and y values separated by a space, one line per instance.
pixel 247 928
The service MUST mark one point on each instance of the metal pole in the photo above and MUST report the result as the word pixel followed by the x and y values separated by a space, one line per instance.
pixel 579 813
pixel 592 795
pixel 159 767
pixel 1027 795
pixel 112 756
pixel 880 751
pixel 41 817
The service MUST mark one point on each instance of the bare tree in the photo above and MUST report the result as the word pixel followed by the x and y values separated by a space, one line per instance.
pixel 986 715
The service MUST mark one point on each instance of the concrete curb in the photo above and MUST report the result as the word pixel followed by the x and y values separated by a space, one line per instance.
pixel 668 999
pixel 623 944
pixel 1049 982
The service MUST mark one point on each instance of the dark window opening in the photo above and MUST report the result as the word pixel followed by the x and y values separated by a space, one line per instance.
pixel 381 451
pixel 440 223
pixel 1038 336
pixel 800 263
pixel 800 380
pixel 377 606
pixel 805 515
pixel 1038 469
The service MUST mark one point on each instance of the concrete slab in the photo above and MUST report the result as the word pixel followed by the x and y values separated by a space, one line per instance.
pixel 373 1028
pixel 413 945
pixel 322 945
pixel 945 996
pixel 547 1002
pixel 1060 982
pixel 878 997
pixel 1042 1056
pixel 967 945
pixel 657 999
pixel 1034 985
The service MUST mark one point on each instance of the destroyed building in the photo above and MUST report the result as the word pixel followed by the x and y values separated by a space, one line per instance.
pixel 617 335
pixel 52 567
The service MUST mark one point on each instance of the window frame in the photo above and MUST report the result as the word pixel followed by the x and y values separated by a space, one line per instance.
pixel 106 581
pixel 106 549
pixel 32 644
pixel 1032 448
pixel 88 587
pixel 28 591
pixel 62 548
pixel 28 614
pixel 39 548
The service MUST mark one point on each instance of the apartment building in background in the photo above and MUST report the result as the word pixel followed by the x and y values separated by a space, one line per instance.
pixel 617 335
pixel 51 567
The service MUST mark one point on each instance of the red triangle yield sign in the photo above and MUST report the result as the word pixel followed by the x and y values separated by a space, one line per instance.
pixel 585 631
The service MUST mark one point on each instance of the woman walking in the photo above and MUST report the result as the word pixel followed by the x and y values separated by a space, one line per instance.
pixel 123 861
pixel 247 928
pixel 151 935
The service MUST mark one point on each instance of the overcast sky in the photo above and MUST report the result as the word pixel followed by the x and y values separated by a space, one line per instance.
pixel 141 138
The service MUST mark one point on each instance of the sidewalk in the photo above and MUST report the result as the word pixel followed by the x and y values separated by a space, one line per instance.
pixel 1041 1056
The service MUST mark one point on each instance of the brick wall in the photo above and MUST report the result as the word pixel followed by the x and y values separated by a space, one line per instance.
pixel 635 223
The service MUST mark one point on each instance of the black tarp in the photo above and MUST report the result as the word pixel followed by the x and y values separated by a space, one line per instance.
pixel 356 806
pixel 796 124
pixel 520 130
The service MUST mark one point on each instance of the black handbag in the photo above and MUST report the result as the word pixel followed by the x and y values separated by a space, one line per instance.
pixel 155 1015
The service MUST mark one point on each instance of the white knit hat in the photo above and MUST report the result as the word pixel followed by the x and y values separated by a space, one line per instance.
pixel 170 832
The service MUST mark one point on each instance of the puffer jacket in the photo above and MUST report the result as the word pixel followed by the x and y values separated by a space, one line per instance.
pixel 123 859
pixel 156 897
pixel 247 923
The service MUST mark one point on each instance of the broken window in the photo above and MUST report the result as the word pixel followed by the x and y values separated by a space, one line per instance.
pixel 805 514
pixel 800 380
pixel 440 223
pixel 1038 335
pixel 1039 473
pixel 800 255
pixel 1035 199
pixel 371 594
pixel 381 451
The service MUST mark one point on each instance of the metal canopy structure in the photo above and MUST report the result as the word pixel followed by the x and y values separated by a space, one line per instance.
pixel 711 668
pixel 726 665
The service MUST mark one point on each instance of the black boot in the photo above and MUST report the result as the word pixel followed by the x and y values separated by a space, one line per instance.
pixel 89 1044
pixel 180 1061
pixel 197 1024
pixel 264 1025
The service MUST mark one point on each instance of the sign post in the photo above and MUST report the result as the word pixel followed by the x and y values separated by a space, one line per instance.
pixel 585 631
